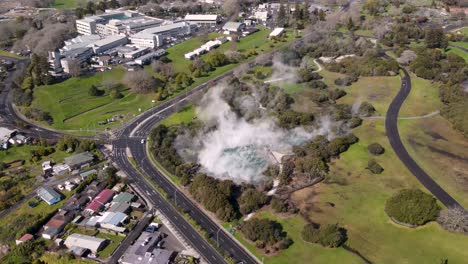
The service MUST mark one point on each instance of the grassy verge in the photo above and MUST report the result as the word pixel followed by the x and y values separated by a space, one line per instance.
pixel 459 52
pixel 64 4
pixel 9 54
pixel 55 258
pixel 114 242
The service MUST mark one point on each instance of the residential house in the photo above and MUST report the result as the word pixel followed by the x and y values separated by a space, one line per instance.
pixel 83 241
pixel 24 238
pixel 79 160
pixel 49 195
pixel 99 201
pixel 233 27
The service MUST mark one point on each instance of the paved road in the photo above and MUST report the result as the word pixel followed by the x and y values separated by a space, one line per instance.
pixel 164 206
pixel 391 127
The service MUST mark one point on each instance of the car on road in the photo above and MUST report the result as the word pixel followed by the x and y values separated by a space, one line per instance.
pixel 143 141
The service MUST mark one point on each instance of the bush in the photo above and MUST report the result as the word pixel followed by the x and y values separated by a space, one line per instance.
pixel 412 206
pixel 94 91
pixel 354 122
pixel 115 94
pixel 262 229
pixel 375 149
pixel 366 109
pixel 328 236
pixel 374 167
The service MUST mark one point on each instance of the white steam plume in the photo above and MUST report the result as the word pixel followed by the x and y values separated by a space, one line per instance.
pixel 238 149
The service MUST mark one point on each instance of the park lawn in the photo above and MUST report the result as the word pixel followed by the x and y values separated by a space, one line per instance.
pixel 9 54
pixel 461 44
pixel 113 244
pixel 300 251
pixel 359 197
pixel 459 52
pixel 72 108
pixel 292 88
pixel 423 98
pixel 185 115
pixel 64 4
pixel 377 90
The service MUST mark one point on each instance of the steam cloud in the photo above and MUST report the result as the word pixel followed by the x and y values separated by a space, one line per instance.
pixel 232 147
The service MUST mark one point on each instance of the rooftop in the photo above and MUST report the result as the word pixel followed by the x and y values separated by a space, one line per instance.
pixel 103 197
pixel 123 197
pixel 47 193
pixel 79 159
pixel 164 28
pixel 108 40
pixel 201 17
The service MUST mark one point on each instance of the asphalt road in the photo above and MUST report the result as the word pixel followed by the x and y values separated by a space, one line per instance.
pixel 391 127
pixel 164 206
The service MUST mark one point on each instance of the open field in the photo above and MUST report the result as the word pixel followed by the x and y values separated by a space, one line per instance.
pixel 65 4
pixel 355 198
pixel 185 115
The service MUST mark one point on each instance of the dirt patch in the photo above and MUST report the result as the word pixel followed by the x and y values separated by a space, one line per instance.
pixel 447 154
pixel 434 135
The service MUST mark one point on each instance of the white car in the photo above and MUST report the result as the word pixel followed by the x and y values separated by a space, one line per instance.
pixel 143 141
pixel 60 187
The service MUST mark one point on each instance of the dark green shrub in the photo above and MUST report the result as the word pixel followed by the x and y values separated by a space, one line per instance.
pixel 374 167
pixel 327 236
pixel 412 206
pixel 375 149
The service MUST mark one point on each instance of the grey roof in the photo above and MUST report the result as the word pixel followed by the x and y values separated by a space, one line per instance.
pixel 147 253
pixel 232 26
pixel 87 173
pixel 84 241
pixel 108 40
pixel 201 17
pixel 123 197
pixel 79 159
pixel 119 207
pixel 168 27
pixel 48 194
pixel 112 218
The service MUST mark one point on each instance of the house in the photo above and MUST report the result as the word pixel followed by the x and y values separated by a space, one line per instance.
pixel 276 32
pixel 119 208
pixel 60 169
pixel 111 220
pixel 233 27
pixel 49 195
pixel 24 238
pixel 201 19
pixel 78 240
pixel 53 228
pixel 18 139
pixel 79 160
pixel 262 15
pixel 46 167
pixel 99 201
pixel 124 197
pixel 145 59
pixel 85 174
pixel 5 135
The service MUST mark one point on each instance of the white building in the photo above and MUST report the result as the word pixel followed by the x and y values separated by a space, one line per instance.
pixel 107 43
pixel 114 22
pixel 201 19
pixel 146 40
pixel 145 59
pixel 61 169
pixel 262 15
pixel 276 32
pixel 92 243
pixel 233 27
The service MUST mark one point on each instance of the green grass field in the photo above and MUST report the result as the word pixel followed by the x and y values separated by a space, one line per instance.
pixel 185 115
pixel 459 52
pixel 114 242
pixel 54 258
pixel 64 4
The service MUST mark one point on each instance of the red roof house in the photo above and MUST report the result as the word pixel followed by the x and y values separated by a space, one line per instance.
pixel 99 201
pixel 24 238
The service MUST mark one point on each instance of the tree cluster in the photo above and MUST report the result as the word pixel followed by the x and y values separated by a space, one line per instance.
pixel 161 140
pixel 412 206
pixel 328 236
pixel 265 230
pixel 369 65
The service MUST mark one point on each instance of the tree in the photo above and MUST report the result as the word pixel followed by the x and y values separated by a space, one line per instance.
pixel 375 149
pixel 366 109
pixel 251 200
pixel 454 219
pixel 435 37
pixel 74 67
pixel 264 230
pixel 328 236
pixel 350 24
pixel 231 8
pixel 140 81
pixel 407 57
pixel 281 19
pixel 412 206
pixel 94 91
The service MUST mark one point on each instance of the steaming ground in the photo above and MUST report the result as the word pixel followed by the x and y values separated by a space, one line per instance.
pixel 235 148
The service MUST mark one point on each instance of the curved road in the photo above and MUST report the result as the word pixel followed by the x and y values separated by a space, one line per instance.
pixel 391 127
